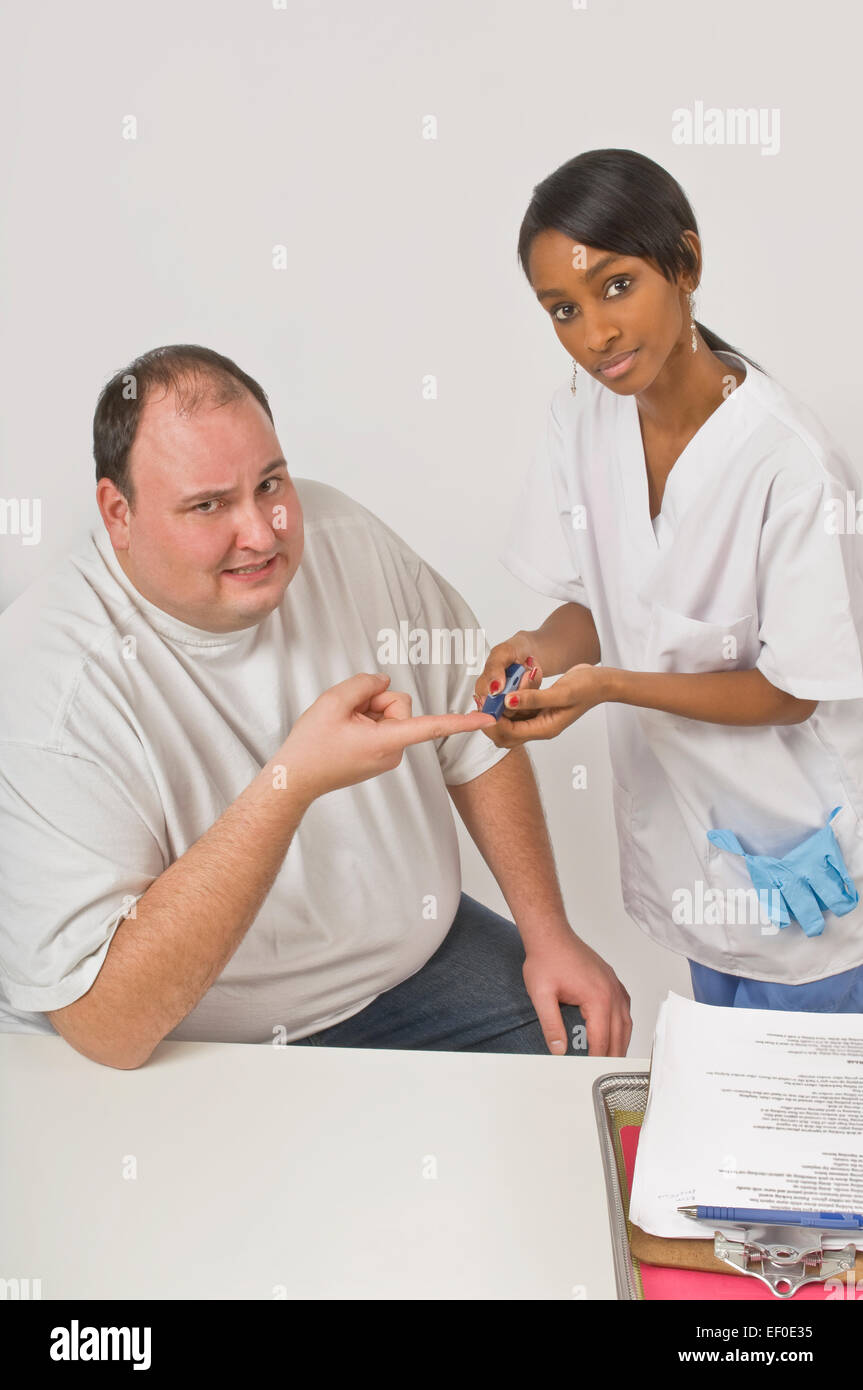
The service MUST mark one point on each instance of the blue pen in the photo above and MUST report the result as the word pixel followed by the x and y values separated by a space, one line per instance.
pixel 493 704
pixel 754 1216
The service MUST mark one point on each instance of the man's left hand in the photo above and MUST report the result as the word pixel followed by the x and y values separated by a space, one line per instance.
pixel 568 971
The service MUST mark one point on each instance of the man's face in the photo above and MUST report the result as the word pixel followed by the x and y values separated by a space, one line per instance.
pixel 212 494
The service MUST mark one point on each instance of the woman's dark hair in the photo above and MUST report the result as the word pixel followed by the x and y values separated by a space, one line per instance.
pixel 621 201
pixel 195 374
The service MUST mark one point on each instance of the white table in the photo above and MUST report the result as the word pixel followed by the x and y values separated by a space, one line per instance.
pixel 298 1172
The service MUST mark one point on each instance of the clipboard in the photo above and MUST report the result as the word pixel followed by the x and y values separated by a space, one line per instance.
pixel 684 1268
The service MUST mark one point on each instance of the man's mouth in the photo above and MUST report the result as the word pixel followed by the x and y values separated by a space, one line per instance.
pixel 264 567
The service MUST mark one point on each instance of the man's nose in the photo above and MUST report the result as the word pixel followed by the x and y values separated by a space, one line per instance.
pixel 254 529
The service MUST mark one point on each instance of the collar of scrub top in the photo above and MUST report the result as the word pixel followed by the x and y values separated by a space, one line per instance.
pixel 708 449
pixel 810 877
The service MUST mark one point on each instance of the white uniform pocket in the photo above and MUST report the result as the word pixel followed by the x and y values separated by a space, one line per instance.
pixel 848 829
pixel 677 643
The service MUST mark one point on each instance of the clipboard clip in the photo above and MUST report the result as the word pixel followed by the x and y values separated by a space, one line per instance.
pixel 784 1257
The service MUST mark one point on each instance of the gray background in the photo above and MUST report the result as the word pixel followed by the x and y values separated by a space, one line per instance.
pixel 303 127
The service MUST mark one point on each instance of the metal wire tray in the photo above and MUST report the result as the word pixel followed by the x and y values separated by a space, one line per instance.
pixel 616 1092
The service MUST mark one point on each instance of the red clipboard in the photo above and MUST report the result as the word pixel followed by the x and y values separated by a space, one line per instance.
pixel 660 1282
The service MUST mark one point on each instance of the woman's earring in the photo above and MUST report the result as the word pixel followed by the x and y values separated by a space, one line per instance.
pixel 574 371
pixel 692 326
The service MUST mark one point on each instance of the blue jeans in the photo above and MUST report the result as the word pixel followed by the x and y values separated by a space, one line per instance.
pixel 469 997
pixel 838 994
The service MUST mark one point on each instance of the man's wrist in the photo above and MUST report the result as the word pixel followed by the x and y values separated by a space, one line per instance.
pixel 287 774
pixel 542 930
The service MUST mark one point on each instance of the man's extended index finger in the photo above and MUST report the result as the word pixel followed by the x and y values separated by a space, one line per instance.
pixel 423 727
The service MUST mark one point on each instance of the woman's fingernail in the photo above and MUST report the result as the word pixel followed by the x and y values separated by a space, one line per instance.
pixel 558 1045
pixel 530 661
pixel 495 685
pixel 512 700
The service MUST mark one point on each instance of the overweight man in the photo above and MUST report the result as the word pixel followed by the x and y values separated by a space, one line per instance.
pixel 225 784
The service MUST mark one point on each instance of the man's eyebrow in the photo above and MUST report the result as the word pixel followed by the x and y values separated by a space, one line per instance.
pixel 216 493
pixel 588 275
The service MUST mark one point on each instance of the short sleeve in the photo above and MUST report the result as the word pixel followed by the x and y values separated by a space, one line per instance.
pixel 536 549
pixel 458 652
pixel 74 858
pixel 810 597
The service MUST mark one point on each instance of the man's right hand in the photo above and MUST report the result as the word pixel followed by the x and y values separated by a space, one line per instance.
pixel 358 729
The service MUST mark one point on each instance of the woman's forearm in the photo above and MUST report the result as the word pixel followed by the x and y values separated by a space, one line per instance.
pixel 717 697
pixel 567 638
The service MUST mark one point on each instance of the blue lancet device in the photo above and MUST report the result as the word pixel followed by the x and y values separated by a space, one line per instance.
pixel 493 704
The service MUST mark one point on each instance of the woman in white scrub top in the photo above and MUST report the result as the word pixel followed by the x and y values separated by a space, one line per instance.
pixel 696 523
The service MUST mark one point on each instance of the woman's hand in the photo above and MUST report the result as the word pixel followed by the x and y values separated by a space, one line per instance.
pixel 515 649
pixel 532 713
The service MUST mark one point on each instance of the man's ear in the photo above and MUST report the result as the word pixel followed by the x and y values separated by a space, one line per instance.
pixel 114 510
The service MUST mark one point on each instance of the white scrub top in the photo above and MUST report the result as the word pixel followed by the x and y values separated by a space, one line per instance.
pixel 752 562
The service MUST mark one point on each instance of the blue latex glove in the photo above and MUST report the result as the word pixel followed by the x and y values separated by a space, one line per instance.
pixel 813 875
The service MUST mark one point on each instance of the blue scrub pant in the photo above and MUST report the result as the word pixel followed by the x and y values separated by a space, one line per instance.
pixel 837 994
pixel 469 997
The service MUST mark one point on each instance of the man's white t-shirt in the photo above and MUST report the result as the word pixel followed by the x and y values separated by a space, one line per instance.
pixel 125 734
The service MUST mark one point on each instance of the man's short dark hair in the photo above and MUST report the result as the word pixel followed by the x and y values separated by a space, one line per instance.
pixel 195 375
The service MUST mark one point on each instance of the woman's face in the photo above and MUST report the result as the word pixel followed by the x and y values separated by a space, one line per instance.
pixel 603 305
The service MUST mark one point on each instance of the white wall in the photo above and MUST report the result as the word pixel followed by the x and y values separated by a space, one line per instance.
pixel 302 126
